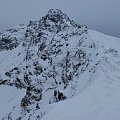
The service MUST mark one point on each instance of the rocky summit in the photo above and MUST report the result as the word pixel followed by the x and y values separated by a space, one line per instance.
pixel 51 60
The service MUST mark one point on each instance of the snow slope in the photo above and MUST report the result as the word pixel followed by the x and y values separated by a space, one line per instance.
pixel 9 99
pixel 100 100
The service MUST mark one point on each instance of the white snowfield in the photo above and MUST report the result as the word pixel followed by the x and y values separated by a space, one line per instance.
pixel 100 100
pixel 10 98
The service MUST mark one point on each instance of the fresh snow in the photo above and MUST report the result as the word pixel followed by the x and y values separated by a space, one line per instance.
pixel 82 64
pixel 100 100
pixel 10 97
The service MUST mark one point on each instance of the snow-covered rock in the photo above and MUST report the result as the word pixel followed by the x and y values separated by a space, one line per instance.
pixel 54 59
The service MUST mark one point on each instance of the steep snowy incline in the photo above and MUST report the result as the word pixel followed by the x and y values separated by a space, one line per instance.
pixel 100 100
pixel 105 40
pixel 10 97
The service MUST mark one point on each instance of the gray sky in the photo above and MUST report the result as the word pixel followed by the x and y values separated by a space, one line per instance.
pixel 100 15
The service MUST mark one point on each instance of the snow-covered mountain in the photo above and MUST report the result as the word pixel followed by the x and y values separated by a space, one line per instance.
pixel 56 69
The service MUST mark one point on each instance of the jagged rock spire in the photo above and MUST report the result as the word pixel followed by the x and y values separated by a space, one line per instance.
pixel 57 15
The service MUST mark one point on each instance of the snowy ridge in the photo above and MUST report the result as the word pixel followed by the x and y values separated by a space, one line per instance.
pixel 54 59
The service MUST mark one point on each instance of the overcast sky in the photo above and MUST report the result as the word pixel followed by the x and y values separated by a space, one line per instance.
pixel 100 15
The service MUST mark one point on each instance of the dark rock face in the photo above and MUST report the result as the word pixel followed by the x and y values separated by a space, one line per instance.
pixel 32 94
pixel 58 96
pixel 6 43
pixel 12 37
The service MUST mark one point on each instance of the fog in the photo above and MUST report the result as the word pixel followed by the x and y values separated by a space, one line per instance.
pixel 100 15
